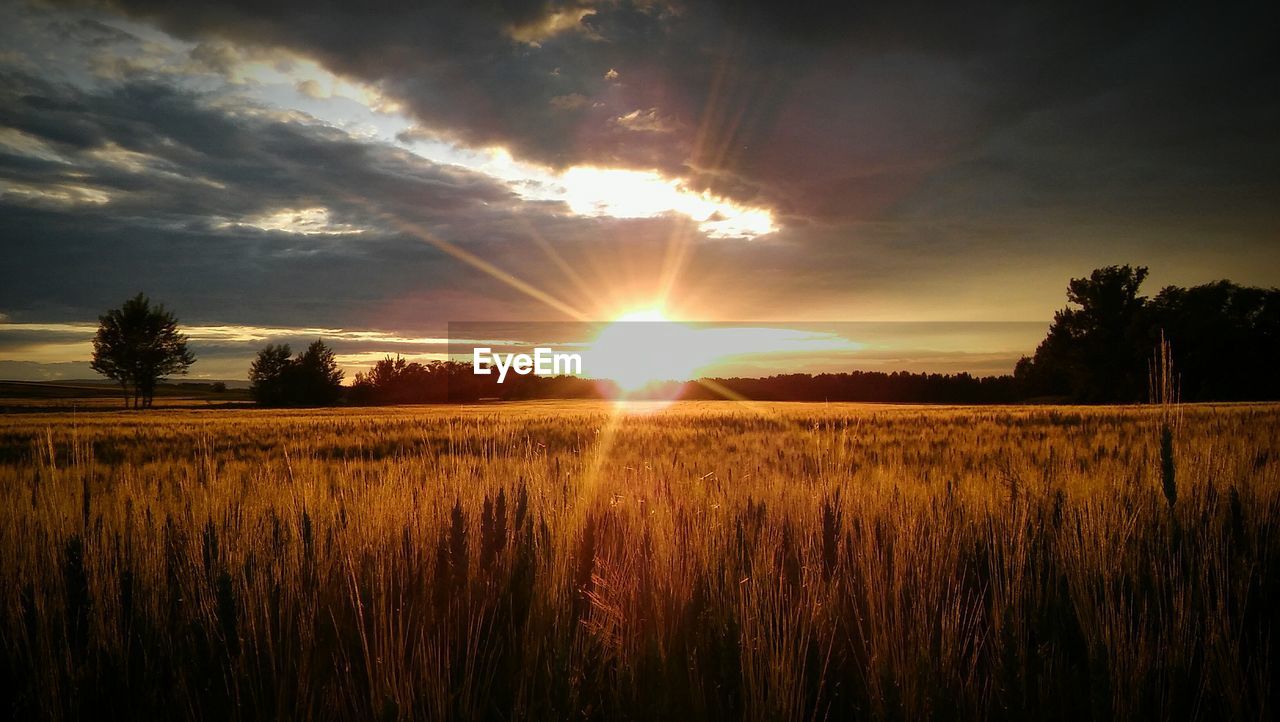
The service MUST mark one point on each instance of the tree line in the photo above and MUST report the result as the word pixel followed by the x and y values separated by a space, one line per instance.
pixel 1224 340
pixel 397 381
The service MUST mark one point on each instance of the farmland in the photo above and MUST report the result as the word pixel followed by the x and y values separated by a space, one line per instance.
pixel 708 560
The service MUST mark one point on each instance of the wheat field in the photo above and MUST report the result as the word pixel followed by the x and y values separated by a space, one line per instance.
pixel 570 560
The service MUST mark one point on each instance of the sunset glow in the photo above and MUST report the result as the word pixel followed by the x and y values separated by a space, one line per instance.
pixel 643 347
pixel 640 348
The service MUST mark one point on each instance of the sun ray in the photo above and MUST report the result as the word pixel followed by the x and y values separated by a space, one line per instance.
pixel 475 261
pixel 717 111
pixel 471 259
pixel 551 253
pixel 422 234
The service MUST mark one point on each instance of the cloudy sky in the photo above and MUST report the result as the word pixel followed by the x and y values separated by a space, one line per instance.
pixel 284 170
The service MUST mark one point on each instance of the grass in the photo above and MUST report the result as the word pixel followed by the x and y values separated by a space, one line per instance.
pixel 558 560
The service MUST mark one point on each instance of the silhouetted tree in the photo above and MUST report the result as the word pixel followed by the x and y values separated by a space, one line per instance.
pixel 1096 352
pixel 1225 339
pixel 311 379
pixel 316 375
pixel 137 345
pixel 397 381
pixel 266 374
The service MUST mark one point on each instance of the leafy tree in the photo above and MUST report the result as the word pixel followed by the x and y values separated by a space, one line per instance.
pixel 1096 350
pixel 317 376
pixel 1225 339
pixel 310 379
pixel 137 345
pixel 396 381
pixel 267 374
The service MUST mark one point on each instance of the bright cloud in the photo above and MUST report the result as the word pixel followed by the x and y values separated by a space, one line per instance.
pixel 622 193
pixel 307 221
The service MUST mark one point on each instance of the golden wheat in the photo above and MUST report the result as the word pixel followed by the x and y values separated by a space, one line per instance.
pixel 710 560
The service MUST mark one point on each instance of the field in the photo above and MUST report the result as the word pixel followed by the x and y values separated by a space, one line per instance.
pixel 50 396
pixel 708 560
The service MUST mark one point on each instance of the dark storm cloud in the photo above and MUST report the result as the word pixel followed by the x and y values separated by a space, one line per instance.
pixel 144 185
pixel 825 110
pixel 256 162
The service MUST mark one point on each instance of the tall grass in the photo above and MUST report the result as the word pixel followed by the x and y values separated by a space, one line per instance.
pixel 710 561
pixel 1163 391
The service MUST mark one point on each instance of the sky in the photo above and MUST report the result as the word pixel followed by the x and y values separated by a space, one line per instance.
pixel 281 171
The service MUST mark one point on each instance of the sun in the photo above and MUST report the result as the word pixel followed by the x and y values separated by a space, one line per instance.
pixel 644 315
pixel 641 348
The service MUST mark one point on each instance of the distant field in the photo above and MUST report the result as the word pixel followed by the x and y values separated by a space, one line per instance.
pixel 48 395
pixel 562 560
